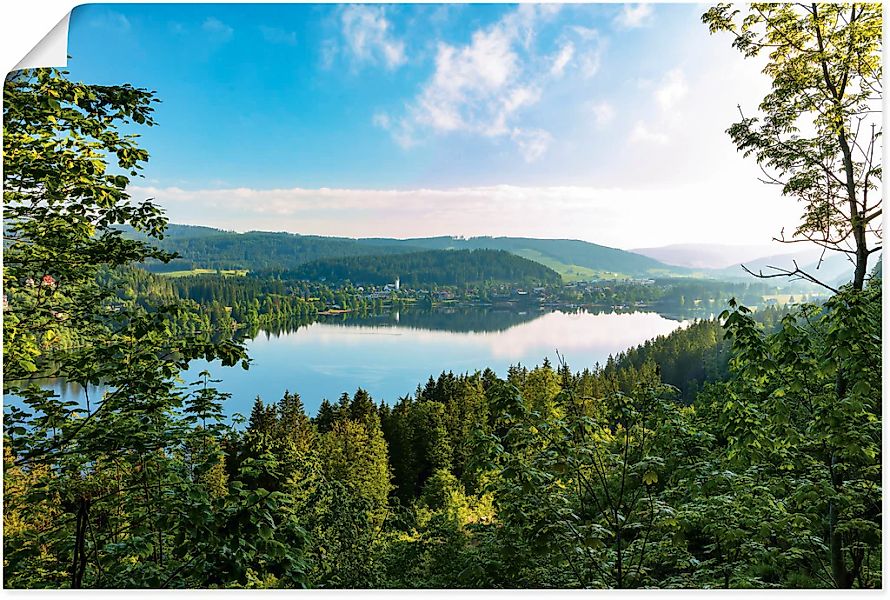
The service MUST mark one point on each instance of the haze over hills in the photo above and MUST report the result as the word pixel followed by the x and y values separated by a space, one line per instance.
pixel 706 256
pixel 835 269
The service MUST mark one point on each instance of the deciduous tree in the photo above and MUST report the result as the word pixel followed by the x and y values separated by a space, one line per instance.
pixel 818 134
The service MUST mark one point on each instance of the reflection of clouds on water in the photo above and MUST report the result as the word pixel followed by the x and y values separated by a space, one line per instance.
pixel 323 360
pixel 377 333
pixel 600 334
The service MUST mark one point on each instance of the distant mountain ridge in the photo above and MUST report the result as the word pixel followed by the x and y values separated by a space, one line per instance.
pixel 834 269
pixel 706 256
pixel 205 247
pixel 210 248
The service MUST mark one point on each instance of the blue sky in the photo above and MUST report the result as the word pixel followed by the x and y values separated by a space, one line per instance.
pixel 600 122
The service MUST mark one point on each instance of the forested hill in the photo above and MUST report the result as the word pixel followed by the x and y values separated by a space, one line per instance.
pixel 442 267
pixel 208 248
pixel 571 257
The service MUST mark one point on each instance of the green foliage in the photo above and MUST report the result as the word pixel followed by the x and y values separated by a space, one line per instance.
pixel 554 253
pixel 579 496
pixel 208 248
pixel 336 476
pixel 61 203
pixel 419 444
pixel 444 267
pixel 355 454
pixel 125 490
pixel 804 406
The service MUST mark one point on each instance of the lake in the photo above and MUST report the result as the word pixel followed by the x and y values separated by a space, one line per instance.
pixel 390 355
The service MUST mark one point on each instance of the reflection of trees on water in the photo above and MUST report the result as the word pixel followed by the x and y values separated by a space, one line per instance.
pixel 461 319
pixel 686 313
pixel 453 319
pixel 438 319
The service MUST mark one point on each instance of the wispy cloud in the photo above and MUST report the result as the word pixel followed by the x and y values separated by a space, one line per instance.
pixel 672 89
pixel 532 143
pixel 475 88
pixel 634 15
pixel 603 113
pixel 668 96
pixel 217 30
pixel 369 38
pixel 276 35
pixel 592 46
pixel 328 53
pixel 641 133
pixel 382 120
pixel 484 87
pixel 563 57
pixel 109 19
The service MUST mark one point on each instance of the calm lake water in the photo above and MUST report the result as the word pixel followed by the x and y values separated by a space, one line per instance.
pixel 390 355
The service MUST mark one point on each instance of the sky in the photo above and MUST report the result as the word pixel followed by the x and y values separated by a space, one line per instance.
pixel 601 122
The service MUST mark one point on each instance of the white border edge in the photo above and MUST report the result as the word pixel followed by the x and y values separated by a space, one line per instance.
pixel 51 51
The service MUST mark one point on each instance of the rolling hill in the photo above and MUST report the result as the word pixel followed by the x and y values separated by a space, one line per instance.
pixel 574 259
pixel 441 267
pixel 208 248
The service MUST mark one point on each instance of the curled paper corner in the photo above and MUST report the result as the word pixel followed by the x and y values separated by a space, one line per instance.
pixel 51 51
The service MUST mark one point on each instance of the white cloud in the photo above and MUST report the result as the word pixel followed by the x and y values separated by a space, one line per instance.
pixel 485 86
pixel 603 113
pixel 400 130
pixel 642 133
pixel 533 143
pixel 382 120
pixel 517 99
pixel 625 217
pixel 217 29
pixel 634 15
pixel 668 95
pixel 586 33
pixel 369 38
pixel 476 87
pixel 562 59
pixel 590 63
pixel 593 45
pixel 672 89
